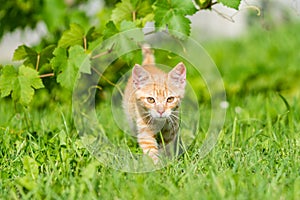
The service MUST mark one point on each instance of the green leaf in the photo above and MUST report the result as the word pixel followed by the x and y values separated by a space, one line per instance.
pixel 231 3
pixel 110 30
pixel 78 58
pixel 20 84
pixel 67 77
pixel 28 80
pixel 180 7
pixel 93 38
pixel 59 61
pixel 23 52
pixel 46 55
pixel 131 10
pixel 123 11
pixel 78 61
pixel 94 44
pixel 27 54
pixel 71 37
pixel 173 15
pixel 130 34
pixel 179 26
pixel 126 37
pixel 8 78
pixel 123 38
pixel 31 57
pixel 127 25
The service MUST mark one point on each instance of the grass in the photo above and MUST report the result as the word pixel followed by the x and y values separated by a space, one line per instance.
pixel 257 155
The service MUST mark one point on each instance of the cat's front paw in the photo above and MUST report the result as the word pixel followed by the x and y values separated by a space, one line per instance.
pixel 153 155
pixel 155 159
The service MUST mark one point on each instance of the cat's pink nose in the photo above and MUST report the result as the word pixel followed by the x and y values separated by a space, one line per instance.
pixel 160 112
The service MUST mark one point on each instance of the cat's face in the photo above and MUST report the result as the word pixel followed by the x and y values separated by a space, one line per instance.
pixel 159 94
pixel 159 105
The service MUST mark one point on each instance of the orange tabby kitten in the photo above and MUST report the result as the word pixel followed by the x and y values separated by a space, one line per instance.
pixel 151 103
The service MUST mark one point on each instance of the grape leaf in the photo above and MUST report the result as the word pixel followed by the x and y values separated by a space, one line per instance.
pixel 180 7
pixel 28 80
pixel 127 34
pixel 231 3
pixel 71 37
pixel 131 10
pixel 93 38
pixel 123 38
pixel 110 30
pixel 30 56
pixel 78 61
pixel 94 44
pixel 7 80
pixel 179 26
pixel 67 77
pixel 78 58
pixel 27 54
pixel 59 61
pixel 23 52
pixel 127 25
pixel 130 34
pixel 123 11
pixel 173 14
pixel 20 84
pixel 46 55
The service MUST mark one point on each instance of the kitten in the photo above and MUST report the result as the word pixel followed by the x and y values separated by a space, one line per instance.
pixel 151 103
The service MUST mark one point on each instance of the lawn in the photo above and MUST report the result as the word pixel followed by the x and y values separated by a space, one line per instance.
pixel 257 155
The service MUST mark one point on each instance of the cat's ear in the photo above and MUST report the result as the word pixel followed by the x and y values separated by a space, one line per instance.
pixel 140 76
pixel 177 76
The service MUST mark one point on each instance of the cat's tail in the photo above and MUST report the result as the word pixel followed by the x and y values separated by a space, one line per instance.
pixel 148 57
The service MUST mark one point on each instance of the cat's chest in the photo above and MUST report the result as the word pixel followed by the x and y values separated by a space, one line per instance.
pixel 162 125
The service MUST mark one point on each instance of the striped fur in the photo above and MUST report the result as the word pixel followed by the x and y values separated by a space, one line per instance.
pixel 151 103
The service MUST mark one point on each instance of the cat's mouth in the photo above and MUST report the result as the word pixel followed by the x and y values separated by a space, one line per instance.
pixel 159 116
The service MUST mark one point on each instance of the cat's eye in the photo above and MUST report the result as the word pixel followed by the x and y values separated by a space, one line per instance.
pixel 150 100
pixel 170 99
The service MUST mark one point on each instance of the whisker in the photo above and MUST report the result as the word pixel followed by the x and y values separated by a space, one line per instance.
pixel 177 117
pixel 144 117
pixel 150 120
pixel 174 123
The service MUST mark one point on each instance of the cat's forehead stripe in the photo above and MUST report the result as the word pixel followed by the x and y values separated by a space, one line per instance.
pixel 159 90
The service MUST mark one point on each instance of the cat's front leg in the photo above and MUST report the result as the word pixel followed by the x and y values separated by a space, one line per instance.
pixel 148 143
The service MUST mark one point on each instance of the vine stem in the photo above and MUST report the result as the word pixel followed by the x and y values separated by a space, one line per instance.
pixel 107 80
pixel 213 3
pixel 133 15
pixel 37 62
pixel 84 43
pixel 103 53
pixel 230 18
pixel 46 75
